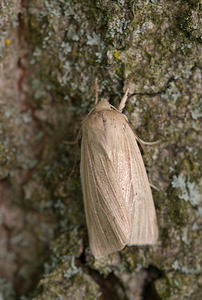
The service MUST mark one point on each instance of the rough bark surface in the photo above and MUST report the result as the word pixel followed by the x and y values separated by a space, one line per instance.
pixel 51 51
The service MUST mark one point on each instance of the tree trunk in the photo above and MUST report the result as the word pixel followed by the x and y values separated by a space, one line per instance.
pixel 51 52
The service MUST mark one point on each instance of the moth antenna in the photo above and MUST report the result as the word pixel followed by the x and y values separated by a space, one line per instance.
pixel 96 91
pixel 123 100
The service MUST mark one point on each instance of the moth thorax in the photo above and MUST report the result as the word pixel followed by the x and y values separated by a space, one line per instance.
pixel 103 105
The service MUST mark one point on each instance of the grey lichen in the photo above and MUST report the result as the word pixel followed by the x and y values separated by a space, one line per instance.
pixel 189 190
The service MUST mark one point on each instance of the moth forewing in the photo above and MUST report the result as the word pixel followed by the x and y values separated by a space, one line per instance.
pixel 117 197
pixel 144 229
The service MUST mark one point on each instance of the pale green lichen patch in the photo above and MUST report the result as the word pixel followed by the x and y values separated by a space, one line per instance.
pixel 189 190
pixel 178 286
pixel 7 158
pixel 6 290
pixel 79 49
pixel 150 56
pixel 9 21
pixel 178 267
pixel 68 282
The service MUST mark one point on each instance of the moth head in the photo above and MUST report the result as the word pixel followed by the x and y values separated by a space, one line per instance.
pixel 102 105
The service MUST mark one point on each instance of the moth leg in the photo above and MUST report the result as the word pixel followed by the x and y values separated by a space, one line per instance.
pixel 96 91
pixel 74 164
pixel 148 143
pixel 123 101
pixel 144 150
pixel 76 140
pixel 154 187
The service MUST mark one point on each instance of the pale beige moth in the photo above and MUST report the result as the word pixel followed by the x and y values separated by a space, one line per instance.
pixel 118 201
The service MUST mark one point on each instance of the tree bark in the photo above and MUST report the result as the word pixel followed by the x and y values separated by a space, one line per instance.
pixel 51 52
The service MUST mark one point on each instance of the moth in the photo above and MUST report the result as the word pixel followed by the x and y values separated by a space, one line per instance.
pixel 118 201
